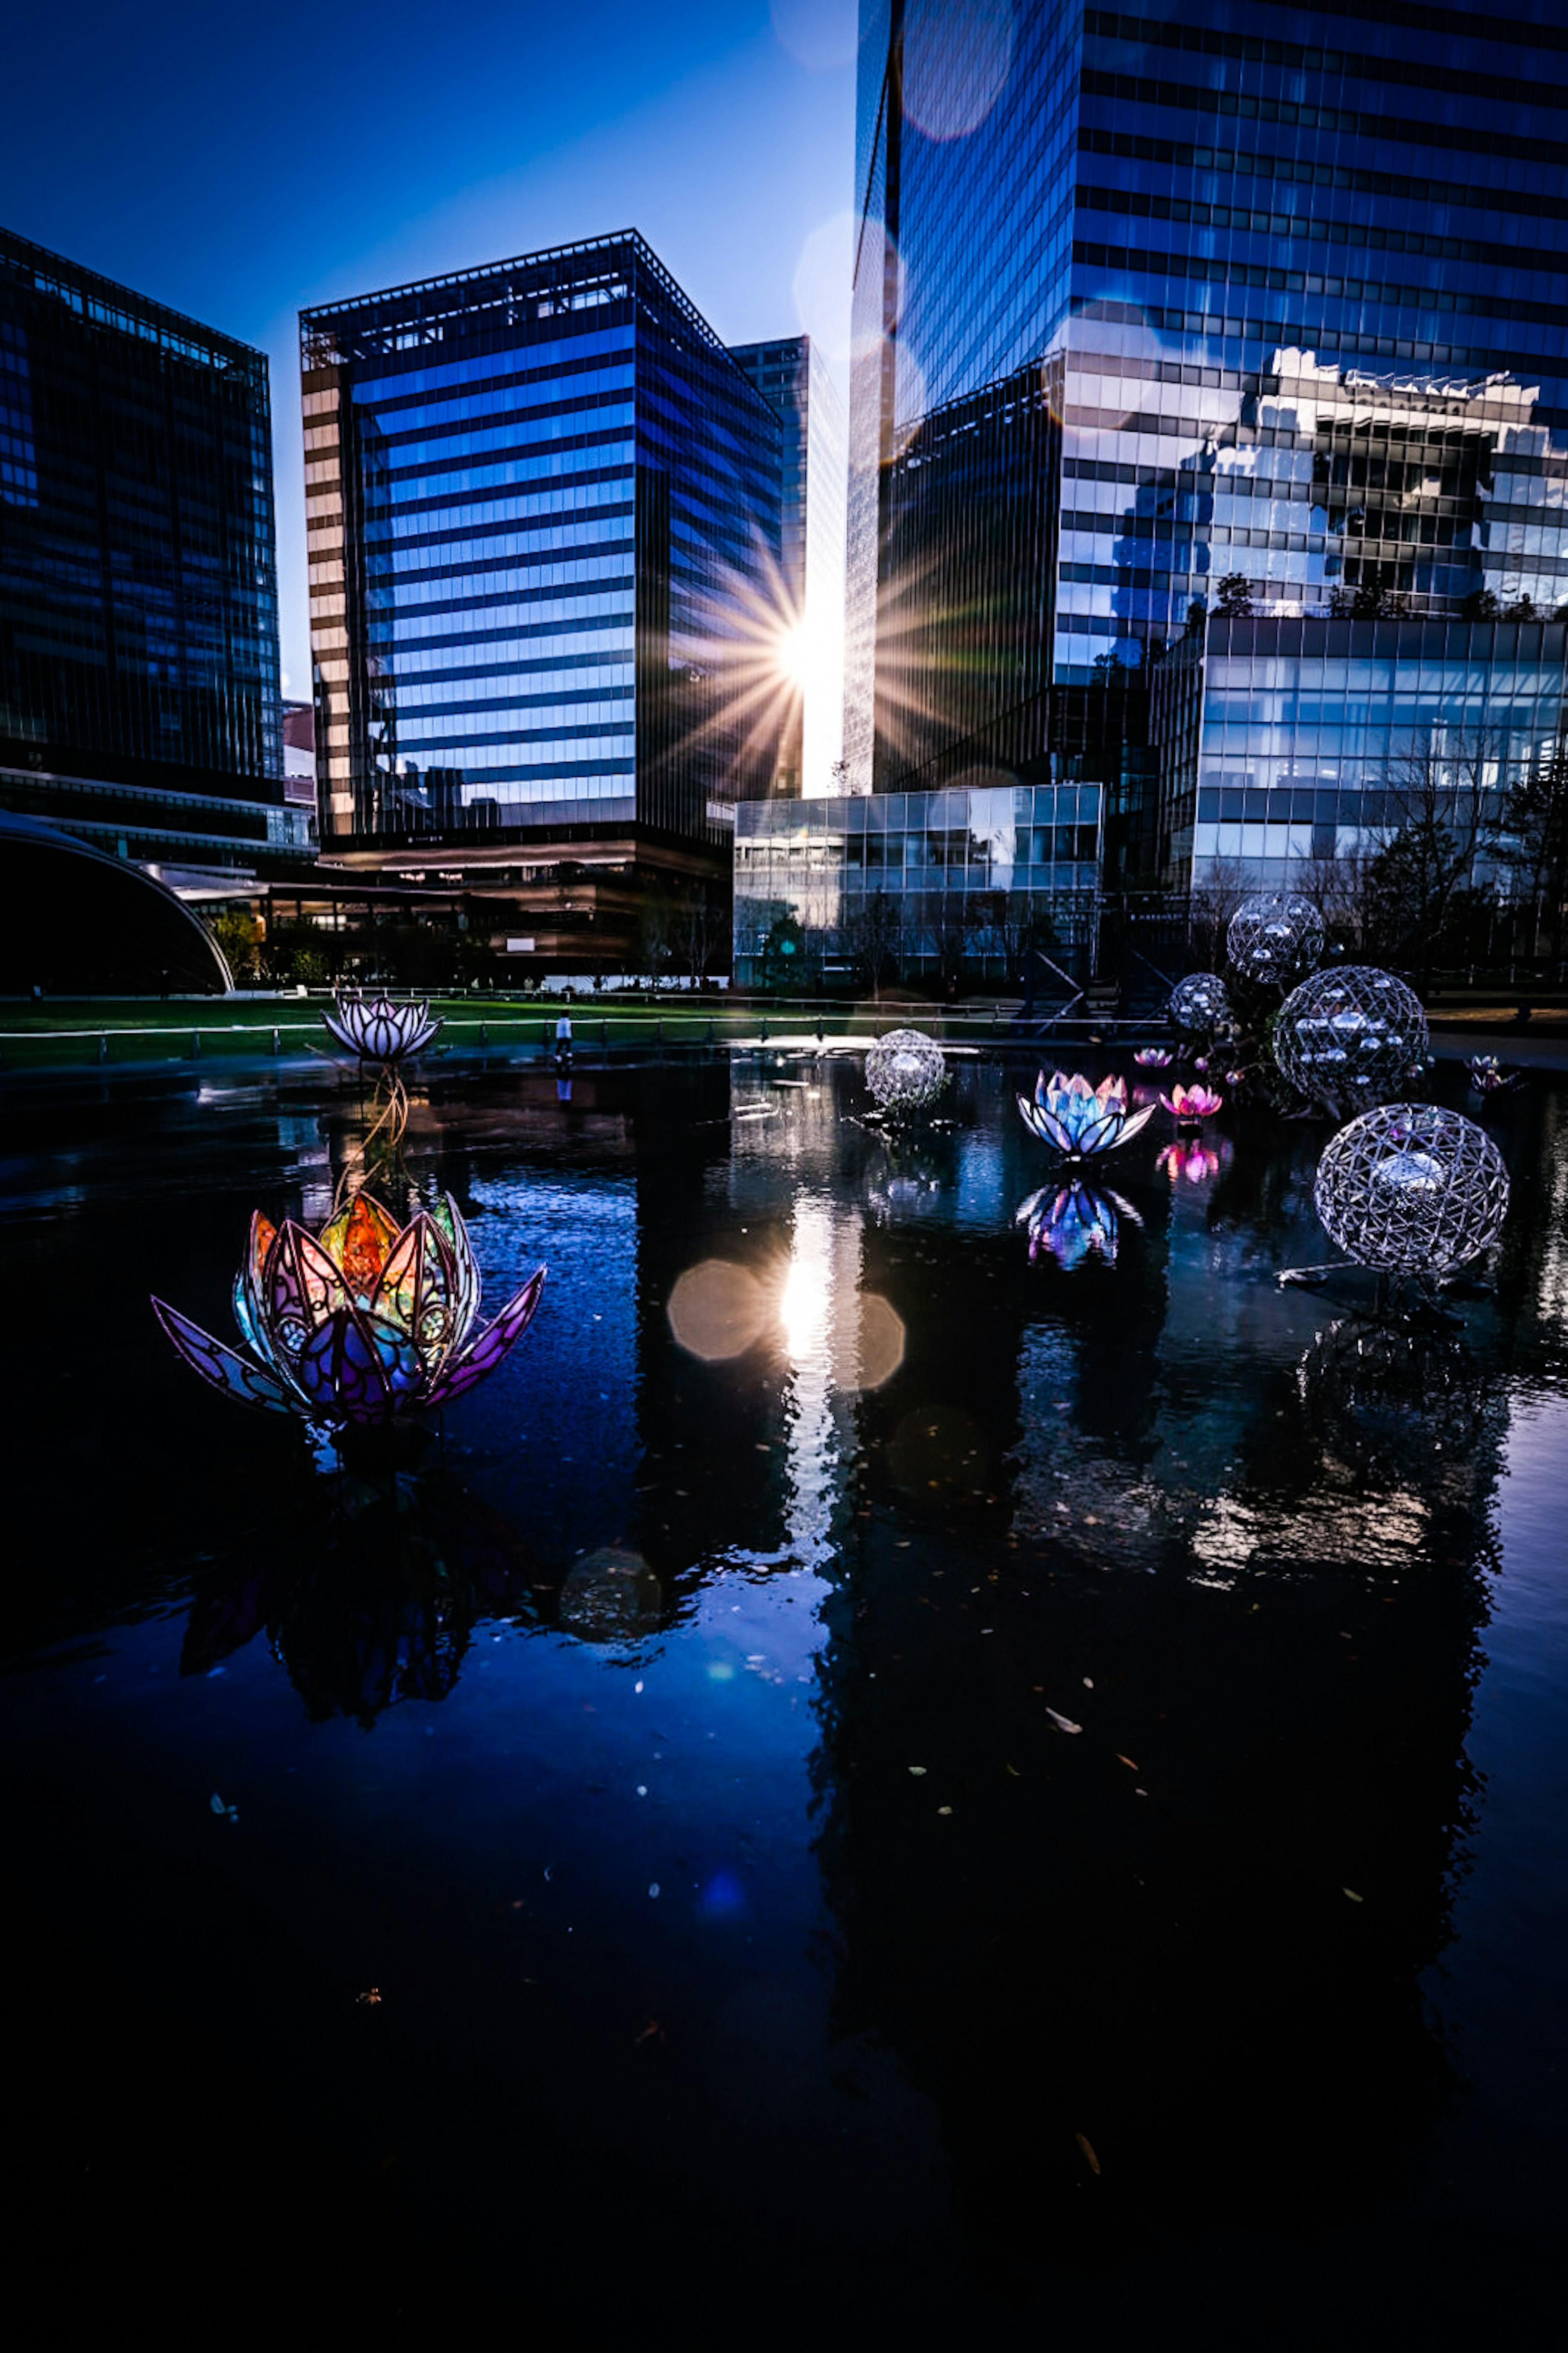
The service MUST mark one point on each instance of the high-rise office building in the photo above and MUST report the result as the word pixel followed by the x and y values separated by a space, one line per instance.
pixel 1215 307
pixel 793 375
pixel 139 674
pixel 542 514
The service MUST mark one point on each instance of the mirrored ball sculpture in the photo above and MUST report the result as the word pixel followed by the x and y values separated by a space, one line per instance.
pixel 1411 1188
pixel 905 1071
pixel 1275 939
pixel 1200 1006
pixel 1349 1037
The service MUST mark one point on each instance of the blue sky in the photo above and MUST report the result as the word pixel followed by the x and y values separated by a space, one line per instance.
pixel 242 164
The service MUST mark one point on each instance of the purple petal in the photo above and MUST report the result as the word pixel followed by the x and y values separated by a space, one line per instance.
pixel 482 1355
pixel 220 1367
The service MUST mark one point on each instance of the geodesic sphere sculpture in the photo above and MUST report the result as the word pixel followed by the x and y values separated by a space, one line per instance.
pixel 1411 1188
pixel 1351 1036
pixel 906 1072
pixel 1275 939
pixel 1200 1005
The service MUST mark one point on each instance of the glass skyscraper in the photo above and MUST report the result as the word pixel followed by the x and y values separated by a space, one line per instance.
pixel 1206 308
pixel 543 529
pixel 794 377
pixel 140 705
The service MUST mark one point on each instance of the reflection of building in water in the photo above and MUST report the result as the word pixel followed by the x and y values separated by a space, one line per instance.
pixel 1190 1761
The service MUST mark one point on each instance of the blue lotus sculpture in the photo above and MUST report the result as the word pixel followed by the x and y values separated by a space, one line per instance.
pixel 1080 1121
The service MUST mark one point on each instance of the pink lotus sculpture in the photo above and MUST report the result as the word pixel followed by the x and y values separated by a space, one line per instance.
pixel 362 1324
pixel 1189 1106
pixel 1080 1121
pixel 1154 1058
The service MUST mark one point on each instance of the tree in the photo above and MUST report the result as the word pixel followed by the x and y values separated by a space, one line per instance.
pixel 1336 885
pixel 872 935
pixel 655 919
pixel 1368 601
pixel 701 933
pixel 1235 597
pixel 239 936
pixel 1443 798
pixel 1015 925
pixel 783 965
pixel 1210 907
pixel 1534 850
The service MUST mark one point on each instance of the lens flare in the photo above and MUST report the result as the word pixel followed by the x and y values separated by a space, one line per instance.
pixel 717 1310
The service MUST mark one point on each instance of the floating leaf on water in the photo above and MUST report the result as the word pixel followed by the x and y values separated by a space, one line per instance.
pixel 917 1770
pixel 1354 1896
pixel 1063 1723
pixel 1127 1761
pixel 218 1804
pixel 1089 2157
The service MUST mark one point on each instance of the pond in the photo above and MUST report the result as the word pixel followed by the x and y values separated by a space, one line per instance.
pixel 894 1767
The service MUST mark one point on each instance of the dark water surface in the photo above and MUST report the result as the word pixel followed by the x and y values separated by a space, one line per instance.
pixel 1033 1793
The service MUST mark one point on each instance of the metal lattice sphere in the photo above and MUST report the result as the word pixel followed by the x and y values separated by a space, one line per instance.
pixel 1276 940
pixel 1351 1036
pixel 905 1071
pixel 1200 1005
pixel 1411 1189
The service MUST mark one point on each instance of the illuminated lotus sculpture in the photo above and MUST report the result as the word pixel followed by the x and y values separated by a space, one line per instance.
pixel 1154 1058
pixel 1071 1223
pixel 1411 1188
pixel 905 1071
pixel 1190 1106
pixel 1349 1037
pixel 1275 939
pixel 1200 1006
pixel 361 1325
pixel 1488 1076
pixel 376 1029
pixel 1080 1121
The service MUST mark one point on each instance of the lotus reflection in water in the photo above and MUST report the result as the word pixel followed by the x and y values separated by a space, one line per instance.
pixel 361 1325
pixel 1073 1222
pixel 1192 1161
pixel 1080 1121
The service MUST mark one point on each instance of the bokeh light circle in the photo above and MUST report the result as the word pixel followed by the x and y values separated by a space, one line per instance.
pixel 718 1309
pixel 957 57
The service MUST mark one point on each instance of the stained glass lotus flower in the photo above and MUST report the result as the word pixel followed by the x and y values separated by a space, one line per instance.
pixel 362 1324
pixel 1188 1105
pixel 376 1029
pixel 1154 1058
pixel 1077 1120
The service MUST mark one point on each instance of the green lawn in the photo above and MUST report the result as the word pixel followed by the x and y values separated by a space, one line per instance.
pixel 63 1032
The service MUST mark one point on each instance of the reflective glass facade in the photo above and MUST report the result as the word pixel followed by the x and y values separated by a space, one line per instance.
pixel 1236 289
pixel 794 379
pixel 542 508
pixel 1316 734
pixel 955 864
pixel 138 569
